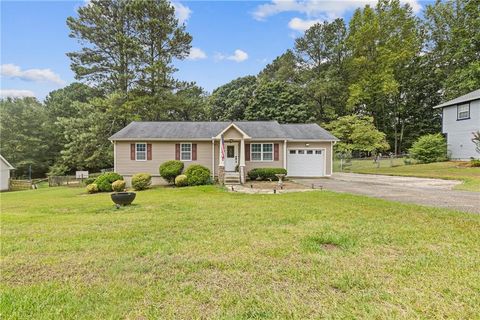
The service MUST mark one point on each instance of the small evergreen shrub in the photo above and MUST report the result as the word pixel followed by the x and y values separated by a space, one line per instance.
pixel 265 173
pixel 141 181
pixel 118 186
pixel 181 181
pixel 170 170
pixel 197 175
pixel 429 148
pixel 92 188
pixel 105 180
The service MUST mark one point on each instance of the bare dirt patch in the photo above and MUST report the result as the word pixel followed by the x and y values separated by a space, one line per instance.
pixel 329 246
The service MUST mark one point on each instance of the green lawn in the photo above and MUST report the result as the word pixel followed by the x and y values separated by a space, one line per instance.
pixel 451 170
pixel 205 253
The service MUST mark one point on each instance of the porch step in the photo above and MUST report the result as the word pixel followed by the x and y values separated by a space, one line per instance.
pixel 231 178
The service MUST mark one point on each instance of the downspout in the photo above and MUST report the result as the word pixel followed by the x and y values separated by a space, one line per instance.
pixel 331 156
pixel 213 159
pixel 114 156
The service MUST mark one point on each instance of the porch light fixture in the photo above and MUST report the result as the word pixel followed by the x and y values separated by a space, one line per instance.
pixel 307 144
pixel 231 140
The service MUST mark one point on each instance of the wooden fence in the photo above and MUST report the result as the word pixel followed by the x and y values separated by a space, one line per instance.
pixel 71 181
pixel 18 185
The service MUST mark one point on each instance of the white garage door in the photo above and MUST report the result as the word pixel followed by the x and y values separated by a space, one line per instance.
pixel 305 162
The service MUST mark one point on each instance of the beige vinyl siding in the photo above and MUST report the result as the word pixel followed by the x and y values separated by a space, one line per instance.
pixel 165 150
pixel 161 151
pixel 249 165
pixel 232 133
pixel 328 154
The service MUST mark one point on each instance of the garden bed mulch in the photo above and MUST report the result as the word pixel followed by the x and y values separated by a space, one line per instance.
pixel 268 187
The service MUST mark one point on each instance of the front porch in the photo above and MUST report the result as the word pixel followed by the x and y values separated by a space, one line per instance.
pixel 232 155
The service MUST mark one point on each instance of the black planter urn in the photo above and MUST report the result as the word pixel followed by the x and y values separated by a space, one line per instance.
pixel 123 198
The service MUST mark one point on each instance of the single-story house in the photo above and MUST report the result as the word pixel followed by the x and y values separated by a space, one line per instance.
pixel 305 150
pixel 5 168
pixel 460 118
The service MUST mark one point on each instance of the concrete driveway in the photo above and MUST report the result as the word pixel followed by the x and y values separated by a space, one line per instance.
pixel 430 192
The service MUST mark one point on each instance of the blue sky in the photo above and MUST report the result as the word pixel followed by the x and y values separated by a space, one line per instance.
pixel 230 39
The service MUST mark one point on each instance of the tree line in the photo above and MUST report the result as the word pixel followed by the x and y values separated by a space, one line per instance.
pixel 386 67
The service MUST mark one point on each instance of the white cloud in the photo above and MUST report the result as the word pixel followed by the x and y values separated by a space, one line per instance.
pixel 196 54
pixel 37 75
pixel 15 93
pixel 182 13
pixel 299 24
pixel 238 56
pixel 321 9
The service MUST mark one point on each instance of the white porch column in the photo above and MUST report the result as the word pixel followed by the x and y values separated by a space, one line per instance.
pixel 242 152
pixel 285 154
pixel 242 161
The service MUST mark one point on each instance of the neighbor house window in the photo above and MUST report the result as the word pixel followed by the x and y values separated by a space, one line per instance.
pixel 186 151
pixel 261 151
pixel 141 151
pixel 463 111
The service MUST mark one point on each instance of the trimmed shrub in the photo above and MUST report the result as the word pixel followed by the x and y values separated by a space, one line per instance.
pixel 104 181
pixel 474 162
pixel 197 175
pixel 89 181
pixel 265 173
pixel 141 181
pixel 92 188
pixel 429 148
pixel 181 181
pixel 118 186
pixel 170 170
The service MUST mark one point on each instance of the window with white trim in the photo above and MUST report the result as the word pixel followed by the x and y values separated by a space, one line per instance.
pixel 140 151
pixel 261 151
pixel 463 111
pixel 186 151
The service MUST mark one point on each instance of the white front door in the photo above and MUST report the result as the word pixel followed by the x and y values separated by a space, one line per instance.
pixel 231 156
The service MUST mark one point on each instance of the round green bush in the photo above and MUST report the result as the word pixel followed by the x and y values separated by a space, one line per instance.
pixel 92 188
pixel 170 170
pixel 105 180
pixel 197 175
pixel 181 181
pixel 429 148
pixel 141 181
pixel 118 186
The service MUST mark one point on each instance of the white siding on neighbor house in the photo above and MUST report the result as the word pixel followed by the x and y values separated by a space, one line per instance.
pixel 459 132
pixel 4 175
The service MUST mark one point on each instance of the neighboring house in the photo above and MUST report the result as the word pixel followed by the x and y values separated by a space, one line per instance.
pixel 305 150
pixel 460 118
pixel 5 169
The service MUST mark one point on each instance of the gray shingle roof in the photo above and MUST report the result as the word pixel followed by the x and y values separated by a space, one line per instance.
pixel 307 131
pixel 474 95
pixel 206 130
